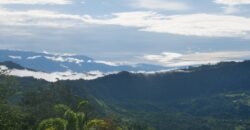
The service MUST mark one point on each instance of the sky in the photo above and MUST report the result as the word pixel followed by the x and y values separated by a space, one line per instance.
pixel 165 32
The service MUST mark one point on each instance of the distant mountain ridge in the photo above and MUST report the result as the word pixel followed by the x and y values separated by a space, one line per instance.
pixel 11 65
pixel 167 86
pixel 48 62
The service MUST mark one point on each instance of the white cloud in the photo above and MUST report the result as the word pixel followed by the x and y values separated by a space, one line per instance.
pixel 208 25
pixel 59 54
pixel 2 67
pixel 15 57
pixel 39 18
pixel 55 76
pixel 64 59
pixel 33 57
pixel 33 2
pixel 164 57
pixel 232 2
pixel 106 63
pixel 176 59
pixel 159 4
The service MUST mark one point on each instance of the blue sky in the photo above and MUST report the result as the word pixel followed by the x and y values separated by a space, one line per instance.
pixel 166 32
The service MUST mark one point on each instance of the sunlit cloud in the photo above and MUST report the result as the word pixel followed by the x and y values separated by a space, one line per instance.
pixel 190 59
pixel 206 25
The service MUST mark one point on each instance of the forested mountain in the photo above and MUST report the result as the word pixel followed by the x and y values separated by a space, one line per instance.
pixel 210 97
pixel 180 84
pixel 218 92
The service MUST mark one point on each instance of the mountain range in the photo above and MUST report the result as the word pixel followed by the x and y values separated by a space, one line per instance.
pixel 52 62
pixel 209 97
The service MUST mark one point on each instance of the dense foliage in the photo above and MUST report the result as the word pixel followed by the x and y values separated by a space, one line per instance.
pixel 49 106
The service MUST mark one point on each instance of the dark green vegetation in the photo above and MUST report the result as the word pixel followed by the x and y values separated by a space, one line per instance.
pixel 211 97
pixel 29 104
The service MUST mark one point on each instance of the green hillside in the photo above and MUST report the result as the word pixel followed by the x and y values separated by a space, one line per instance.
pixel 210 97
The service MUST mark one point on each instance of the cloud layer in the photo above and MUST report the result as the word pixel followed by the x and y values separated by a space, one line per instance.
pixel 206 25
pixel 177 59
pixel 200 24
pixel 38 18
pixel 232 2
pixel 55 76
pixel 33 2
pixel 64 59
pixel 160 5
